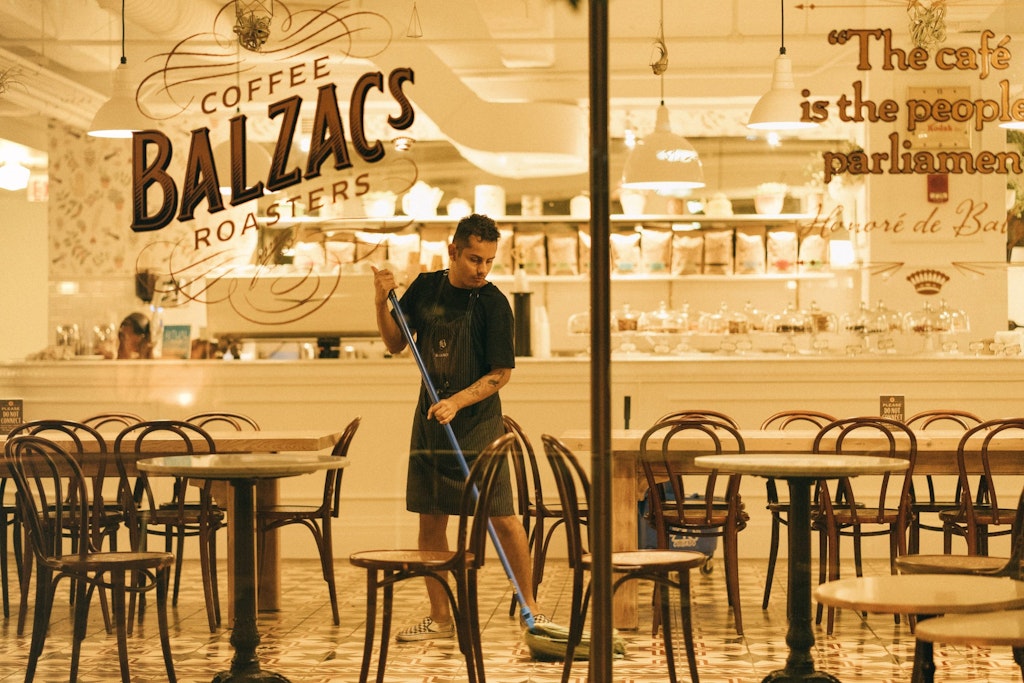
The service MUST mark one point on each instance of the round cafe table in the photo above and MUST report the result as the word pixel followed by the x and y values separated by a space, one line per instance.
pixel 243 470
pixel 800 472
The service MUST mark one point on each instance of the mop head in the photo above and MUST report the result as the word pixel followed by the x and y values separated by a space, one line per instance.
pixel 549 642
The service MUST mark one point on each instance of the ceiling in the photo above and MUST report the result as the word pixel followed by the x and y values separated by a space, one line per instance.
pixel 59 56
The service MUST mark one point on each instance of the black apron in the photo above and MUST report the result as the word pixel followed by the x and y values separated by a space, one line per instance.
pixel 436 478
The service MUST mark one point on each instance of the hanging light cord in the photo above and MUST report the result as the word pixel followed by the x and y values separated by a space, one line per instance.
pixel 659 53
pixel 124 60
pixel 782 27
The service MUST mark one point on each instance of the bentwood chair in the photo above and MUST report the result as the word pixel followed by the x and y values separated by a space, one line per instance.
pixel 89 449
pixel 779 509
pixel 927 502
pixel 861 506
pixel 386 568
pixel 120 420
pixel 701 505
pixel 699 413
pixel 223 419
pixel 316 518
pixel 978 515
pixel 667 568
pixel 181 515
pixel 55 499
pixel 541 518
pixel 985 565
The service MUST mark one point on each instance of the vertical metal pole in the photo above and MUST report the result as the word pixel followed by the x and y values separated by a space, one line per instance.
pixel 600 355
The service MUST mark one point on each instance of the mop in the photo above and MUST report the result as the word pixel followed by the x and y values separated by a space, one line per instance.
pixel 545 641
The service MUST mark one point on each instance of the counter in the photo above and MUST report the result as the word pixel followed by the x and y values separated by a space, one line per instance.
pixel 545 396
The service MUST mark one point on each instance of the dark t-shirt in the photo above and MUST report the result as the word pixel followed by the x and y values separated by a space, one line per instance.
pixel 493 338
pixel 436 476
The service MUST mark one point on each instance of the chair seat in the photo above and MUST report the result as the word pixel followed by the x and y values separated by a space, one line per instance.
pixel 949 564
pixel 284 511
pixel 934 505
pixel 861 515
pixel 104 561
pixel 696 521
pixel 403 559
pixel 666 560
pixel 981 516
pixel 990 629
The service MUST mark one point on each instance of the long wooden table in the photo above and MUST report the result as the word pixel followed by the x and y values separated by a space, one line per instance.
pixel 233 441
pixel 936 455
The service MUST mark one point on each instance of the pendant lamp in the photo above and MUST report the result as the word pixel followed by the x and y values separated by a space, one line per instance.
pixel 119 117
pixel 14 176
pixel 780 107
pixel 663 161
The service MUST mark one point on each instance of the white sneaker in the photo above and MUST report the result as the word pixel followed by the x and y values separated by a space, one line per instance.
pixel 426 630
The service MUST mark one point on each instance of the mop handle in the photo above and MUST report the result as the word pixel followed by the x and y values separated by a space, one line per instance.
pixel 432 394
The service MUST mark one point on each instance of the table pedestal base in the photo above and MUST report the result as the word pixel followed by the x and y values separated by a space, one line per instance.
pixel 786 676
pixel 245 637
pixel 256 676
pixel 800 637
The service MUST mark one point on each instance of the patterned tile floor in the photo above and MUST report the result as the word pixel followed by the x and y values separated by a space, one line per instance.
pixel 301 643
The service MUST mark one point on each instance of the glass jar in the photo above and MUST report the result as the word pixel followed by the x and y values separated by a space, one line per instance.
pixel 660 320
pixel 625 319
pixel 790 321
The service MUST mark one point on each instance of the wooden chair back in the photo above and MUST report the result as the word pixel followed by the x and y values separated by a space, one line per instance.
pixel 900 442
pixel 978 440
pixel 801 418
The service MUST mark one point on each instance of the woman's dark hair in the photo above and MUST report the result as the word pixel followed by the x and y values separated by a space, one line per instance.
pixel 139 323
pixel 475 225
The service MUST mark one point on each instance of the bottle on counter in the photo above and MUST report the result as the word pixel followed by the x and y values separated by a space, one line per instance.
pixel 521 310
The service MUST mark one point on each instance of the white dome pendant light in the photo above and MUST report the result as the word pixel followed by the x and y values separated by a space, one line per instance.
pixel 663 161
pixel 779 109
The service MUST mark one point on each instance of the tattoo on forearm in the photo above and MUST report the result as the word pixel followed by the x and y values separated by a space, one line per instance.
pixel 486 385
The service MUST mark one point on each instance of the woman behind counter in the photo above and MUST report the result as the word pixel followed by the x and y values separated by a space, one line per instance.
pixel 134 339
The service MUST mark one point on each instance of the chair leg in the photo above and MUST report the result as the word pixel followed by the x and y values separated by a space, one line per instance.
pixel 385 626
pixel 666 631
pixel 773 554
pixel 117 601
pixel 1018 656
pixel 40 622
pixel 371 624
pixel 214 583
pixel 26 578
pixel 858 562
pixel 80 623
pixel 163 578
pixel 326 543
pixel 833 573
pixel 471 612
pixel 732 575
pixel 208 579
pixel 822 569
pixel 686 621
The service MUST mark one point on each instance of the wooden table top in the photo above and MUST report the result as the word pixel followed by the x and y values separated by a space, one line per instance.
pixel 241 465
pixel 919 594
pixel 800 465
pixel 788 441
pixel 227 441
